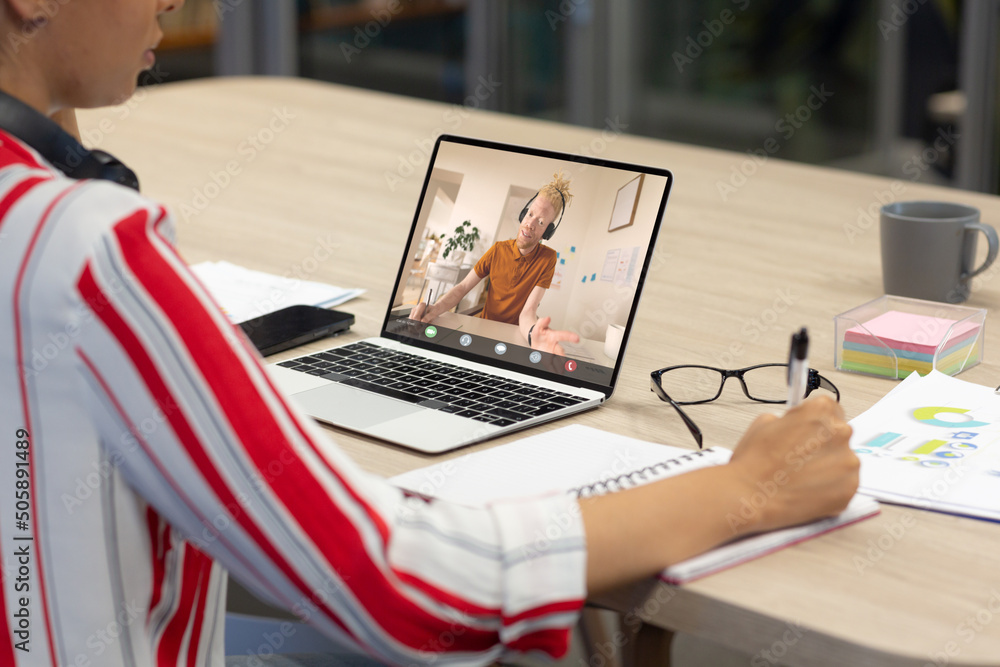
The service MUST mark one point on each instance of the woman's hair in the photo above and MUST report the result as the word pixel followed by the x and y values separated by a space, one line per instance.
pixel 551 192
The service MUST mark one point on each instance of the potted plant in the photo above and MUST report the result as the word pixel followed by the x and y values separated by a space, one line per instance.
pixel 463 240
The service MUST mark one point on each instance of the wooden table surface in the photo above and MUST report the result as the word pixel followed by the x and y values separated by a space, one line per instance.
pixel 320 182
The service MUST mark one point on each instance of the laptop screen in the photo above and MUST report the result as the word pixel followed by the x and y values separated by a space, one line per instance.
pixel 507 235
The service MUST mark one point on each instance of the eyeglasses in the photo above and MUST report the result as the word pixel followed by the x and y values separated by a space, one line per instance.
pixel 690 385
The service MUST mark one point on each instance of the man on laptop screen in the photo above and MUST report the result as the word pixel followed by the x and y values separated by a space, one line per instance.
pixel 520 271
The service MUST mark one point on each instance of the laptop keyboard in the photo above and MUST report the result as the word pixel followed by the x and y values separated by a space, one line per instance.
pixel 433 384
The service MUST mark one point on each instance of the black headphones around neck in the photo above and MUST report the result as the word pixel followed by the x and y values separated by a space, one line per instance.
pixel 59 147
pixel 551 229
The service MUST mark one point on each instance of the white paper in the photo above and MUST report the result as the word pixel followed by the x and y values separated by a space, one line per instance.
pixel 625 271
pixel 559 460
pixel 934 443
pixel 244 293
pixel 610 264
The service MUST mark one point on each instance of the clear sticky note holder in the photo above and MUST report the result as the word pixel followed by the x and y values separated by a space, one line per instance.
pixel 894 336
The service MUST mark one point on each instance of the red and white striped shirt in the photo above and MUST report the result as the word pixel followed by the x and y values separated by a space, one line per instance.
pixel 144 454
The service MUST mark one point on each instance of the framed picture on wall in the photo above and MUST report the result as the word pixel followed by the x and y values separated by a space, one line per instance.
pixel 623 214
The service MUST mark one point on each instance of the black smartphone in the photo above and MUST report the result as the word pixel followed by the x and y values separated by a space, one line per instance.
pixel 295 325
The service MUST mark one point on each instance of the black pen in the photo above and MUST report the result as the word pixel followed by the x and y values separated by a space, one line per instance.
pixel 798 367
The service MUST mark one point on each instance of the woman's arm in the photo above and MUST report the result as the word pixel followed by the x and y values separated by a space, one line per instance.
pixel 802 461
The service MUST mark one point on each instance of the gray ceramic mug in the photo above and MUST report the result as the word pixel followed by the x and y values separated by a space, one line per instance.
pixel 929 248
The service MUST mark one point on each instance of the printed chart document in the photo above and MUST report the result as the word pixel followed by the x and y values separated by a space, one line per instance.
pixel 244 293
pixel 586 462
pixel 933 442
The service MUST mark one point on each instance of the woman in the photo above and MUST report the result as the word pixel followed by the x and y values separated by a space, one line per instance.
pixel 153 456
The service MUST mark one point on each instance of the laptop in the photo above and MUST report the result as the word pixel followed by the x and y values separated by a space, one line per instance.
pixel 468 376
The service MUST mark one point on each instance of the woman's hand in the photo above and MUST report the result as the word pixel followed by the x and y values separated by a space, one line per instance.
pixel 796 467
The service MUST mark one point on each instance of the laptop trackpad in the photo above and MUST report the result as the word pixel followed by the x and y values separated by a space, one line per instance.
pixel 346 406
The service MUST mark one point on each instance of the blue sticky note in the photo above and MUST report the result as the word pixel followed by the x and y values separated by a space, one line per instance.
pixel 584 279
pixel 593 276
pixel 562 261
pixel 572 248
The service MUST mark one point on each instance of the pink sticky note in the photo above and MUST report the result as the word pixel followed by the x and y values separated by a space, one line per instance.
pixel 911 332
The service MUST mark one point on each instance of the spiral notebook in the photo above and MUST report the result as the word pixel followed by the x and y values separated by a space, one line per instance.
pixel 586 461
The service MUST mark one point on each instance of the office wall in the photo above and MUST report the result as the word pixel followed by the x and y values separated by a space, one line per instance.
pixel 443 186
pixel 486 185
pixel 588 302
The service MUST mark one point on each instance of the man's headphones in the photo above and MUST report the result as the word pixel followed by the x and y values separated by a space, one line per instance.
pixel 59 147
pixel 551 229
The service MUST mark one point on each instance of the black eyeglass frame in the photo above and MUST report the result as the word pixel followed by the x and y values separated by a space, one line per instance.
pixel 813 382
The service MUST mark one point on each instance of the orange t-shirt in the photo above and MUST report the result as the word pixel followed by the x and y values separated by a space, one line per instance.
pixel 512 277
